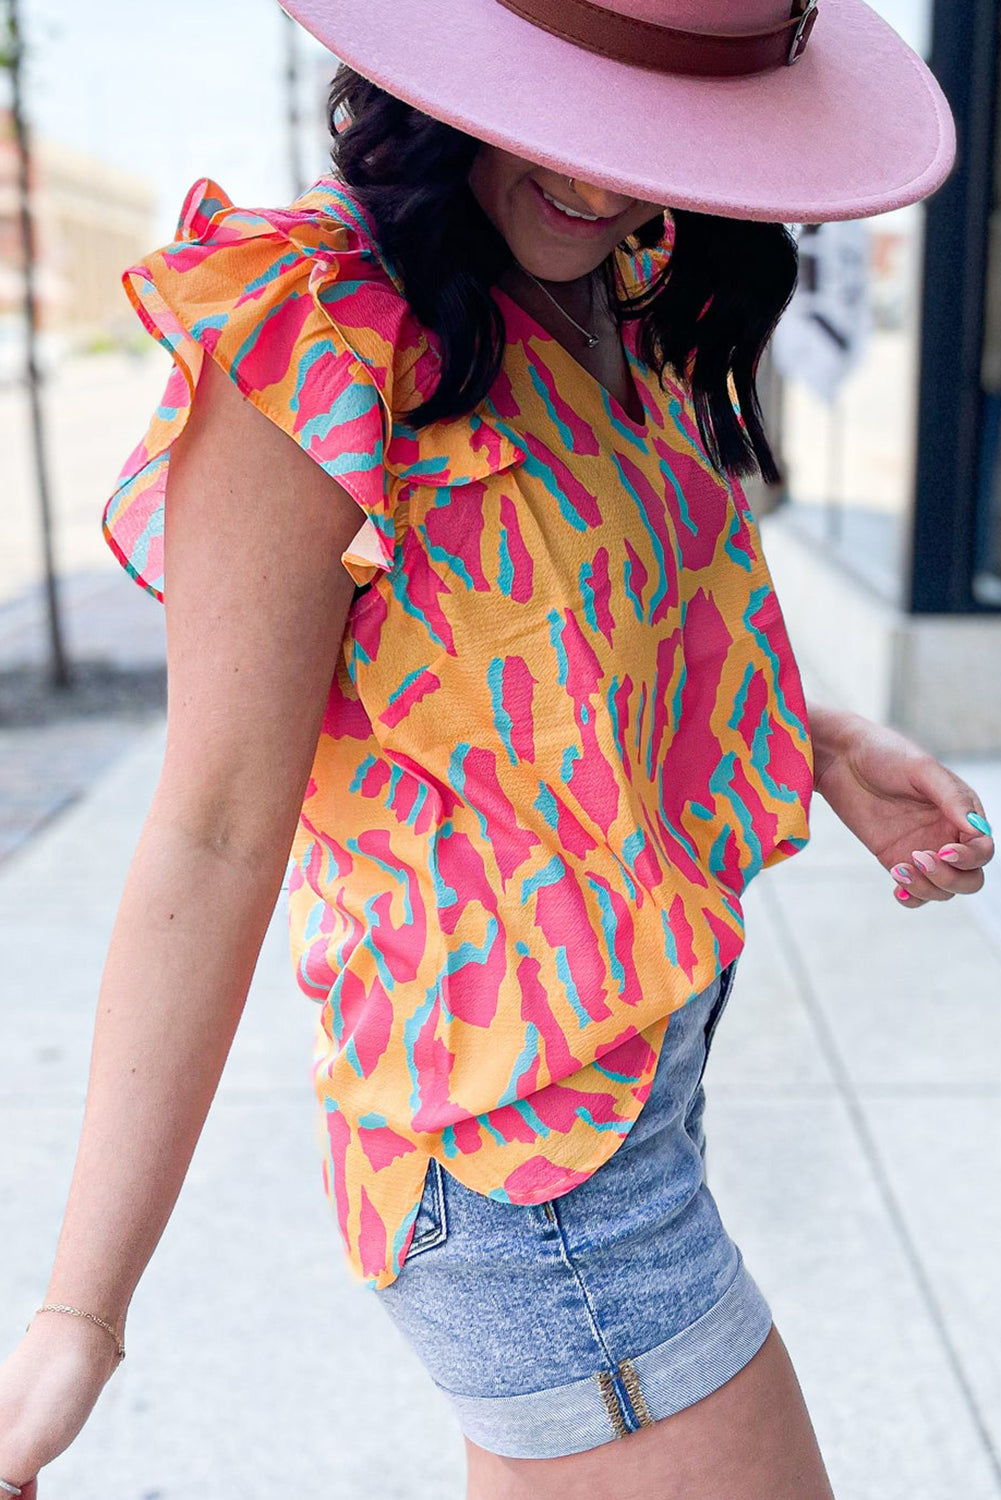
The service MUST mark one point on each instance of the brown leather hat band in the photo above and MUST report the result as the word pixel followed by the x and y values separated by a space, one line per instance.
pixel 666 49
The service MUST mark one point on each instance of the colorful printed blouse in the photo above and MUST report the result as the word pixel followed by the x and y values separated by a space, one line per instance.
pixel 564 730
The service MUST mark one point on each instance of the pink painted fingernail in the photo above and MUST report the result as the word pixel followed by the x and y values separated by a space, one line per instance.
pixel 950 856
pixel 902 873
pixel 902 895
pixel 925 862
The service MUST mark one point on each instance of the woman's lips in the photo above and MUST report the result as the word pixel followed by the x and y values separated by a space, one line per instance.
pixel 561 223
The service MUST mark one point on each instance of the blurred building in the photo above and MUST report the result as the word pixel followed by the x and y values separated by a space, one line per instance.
pixel 319 75
pixel 887 548
pixel 91 219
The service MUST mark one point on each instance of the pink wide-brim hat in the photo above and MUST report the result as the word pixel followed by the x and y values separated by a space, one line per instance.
pixel 856 125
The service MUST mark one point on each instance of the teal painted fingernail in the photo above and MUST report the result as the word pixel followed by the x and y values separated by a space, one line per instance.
pixel 902 873
pixel 980 824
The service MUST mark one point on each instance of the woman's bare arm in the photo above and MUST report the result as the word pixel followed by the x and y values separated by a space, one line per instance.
pixel 256 604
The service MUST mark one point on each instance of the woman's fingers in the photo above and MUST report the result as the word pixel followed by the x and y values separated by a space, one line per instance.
pixel 955 869
pixel 949 875
pixel 906 900
pixel 969 856
pixel 954 798
pixel 927 876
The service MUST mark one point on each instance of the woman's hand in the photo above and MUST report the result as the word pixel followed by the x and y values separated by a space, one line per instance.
pixel 48 1388
pixel 921 820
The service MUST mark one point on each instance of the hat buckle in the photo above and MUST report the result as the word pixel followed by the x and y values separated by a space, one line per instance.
pixel 801 35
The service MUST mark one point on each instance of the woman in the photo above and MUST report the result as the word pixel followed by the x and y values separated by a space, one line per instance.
pixel 488 371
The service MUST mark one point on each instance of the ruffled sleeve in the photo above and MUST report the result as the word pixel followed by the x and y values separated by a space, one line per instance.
pixel 300 310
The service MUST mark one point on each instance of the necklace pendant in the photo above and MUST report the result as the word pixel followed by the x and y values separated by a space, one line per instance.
pixel 592 341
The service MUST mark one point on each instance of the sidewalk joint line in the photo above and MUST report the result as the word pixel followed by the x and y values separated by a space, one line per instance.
pixel 870 1151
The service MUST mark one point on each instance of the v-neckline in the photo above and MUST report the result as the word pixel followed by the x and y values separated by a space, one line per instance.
pixel 618 411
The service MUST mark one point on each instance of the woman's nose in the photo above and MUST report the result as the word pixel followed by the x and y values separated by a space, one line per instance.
pixel 598 200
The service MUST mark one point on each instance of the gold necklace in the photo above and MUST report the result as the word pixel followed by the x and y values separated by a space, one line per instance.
pixel 591 338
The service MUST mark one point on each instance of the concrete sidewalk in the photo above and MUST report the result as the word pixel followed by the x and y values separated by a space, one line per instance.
pixel 54 743
pixel 854 1138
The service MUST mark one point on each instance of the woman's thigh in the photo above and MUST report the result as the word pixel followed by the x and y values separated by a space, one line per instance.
pixel 615 1330
pixel 751 1439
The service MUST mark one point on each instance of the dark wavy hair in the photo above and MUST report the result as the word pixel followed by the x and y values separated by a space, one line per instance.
pixel 708 315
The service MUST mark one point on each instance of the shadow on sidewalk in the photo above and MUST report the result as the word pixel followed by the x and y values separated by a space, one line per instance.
pixel 99 689
pixel 54 742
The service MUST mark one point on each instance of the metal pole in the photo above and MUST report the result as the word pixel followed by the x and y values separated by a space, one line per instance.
pixel 293 117
pixel 58 661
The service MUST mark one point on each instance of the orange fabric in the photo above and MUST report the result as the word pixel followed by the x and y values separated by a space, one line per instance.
pixel 564 730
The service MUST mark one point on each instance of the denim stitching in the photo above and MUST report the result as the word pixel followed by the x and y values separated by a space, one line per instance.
pixel 568 1262
pixel 605 1378
pixel 607 1387
pixel 631 1381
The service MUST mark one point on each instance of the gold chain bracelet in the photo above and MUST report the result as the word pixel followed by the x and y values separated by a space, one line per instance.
pixel 78 1312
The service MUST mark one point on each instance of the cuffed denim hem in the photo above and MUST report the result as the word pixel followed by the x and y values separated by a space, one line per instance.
pixel 636 1393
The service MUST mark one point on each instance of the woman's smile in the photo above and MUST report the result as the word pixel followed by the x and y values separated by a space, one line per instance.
pixel 557 230
pixel 563 208
pixel 560 218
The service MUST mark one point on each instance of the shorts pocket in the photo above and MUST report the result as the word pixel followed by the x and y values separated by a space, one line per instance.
pixel 431 1225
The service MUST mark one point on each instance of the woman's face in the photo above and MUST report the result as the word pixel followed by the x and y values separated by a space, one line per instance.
pixel 526 204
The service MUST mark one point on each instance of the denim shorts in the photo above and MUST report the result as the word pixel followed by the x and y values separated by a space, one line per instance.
pixel 560 1326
